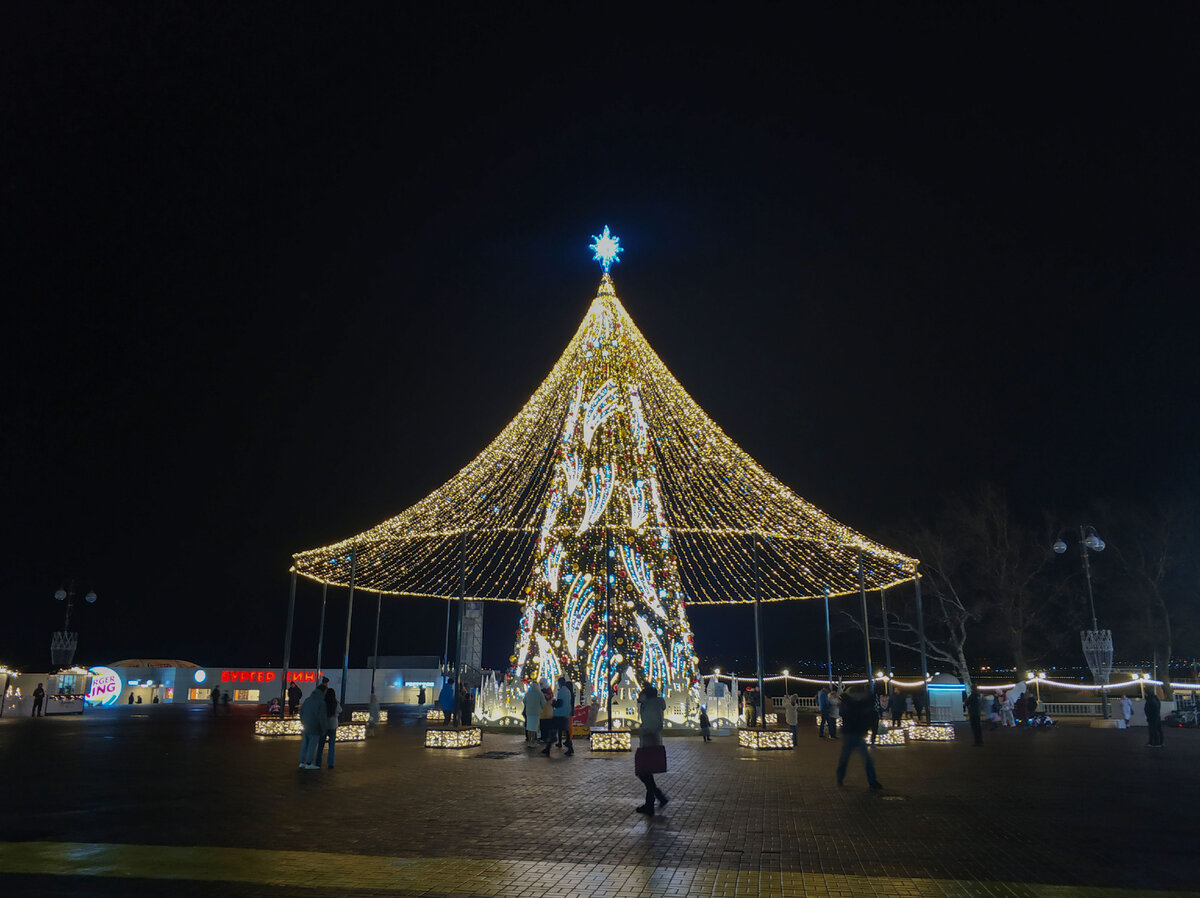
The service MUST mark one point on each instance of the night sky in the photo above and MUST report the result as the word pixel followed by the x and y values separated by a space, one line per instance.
pixel 274 272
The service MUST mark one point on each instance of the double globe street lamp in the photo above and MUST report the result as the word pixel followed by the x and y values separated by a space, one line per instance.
pixel 1097 643
pixel 64 643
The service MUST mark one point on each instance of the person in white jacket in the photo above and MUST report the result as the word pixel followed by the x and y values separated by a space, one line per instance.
pixel 535 700
pixel 791 711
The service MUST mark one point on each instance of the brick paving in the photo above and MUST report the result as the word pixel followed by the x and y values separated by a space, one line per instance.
pixel 166 798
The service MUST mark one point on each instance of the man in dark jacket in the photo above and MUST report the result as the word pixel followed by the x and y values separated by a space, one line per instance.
pixel 973 712
pixel 858 719
pixel 293 696
pixel 312 721
pixel 1154 720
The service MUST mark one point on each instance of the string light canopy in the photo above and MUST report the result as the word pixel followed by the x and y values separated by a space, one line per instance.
pixel 610 453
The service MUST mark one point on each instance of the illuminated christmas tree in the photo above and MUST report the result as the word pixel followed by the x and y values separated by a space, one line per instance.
pixel 605 522
pixel 610 472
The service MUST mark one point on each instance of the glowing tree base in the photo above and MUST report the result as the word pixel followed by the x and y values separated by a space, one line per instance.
pixel 764 740
pixel 615 740
pixel 453 737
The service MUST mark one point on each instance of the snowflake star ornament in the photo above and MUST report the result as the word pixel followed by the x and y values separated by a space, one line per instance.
pixel 606 246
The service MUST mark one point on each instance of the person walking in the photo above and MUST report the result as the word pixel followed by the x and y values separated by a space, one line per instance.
pixel 705 725
pixel 563 707
pixel 897 706
pixel 651 756
pixel 373 713
pixel 974 700
pixel 1154 719
pixel 858 717
pixel 823 707
pixel 446 702
pixel 534 702
pixel 39 696
pixel 791 713
pixel 332 711
pixel 421 696
pixel 835 711
pixel 293 697
pixel 1126 710
pixel 215 695
pixel 466 705
pixel 1006 710
pixel 312 723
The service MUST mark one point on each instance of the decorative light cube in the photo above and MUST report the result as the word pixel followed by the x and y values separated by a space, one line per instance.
pixel 771 719
pixel 614 740
pixel 365 716
pixel 435 714
pixel 892 737
pixel 291 726
pixel 453 737
pixel 932 733
pixel 764 740
pixel 278 726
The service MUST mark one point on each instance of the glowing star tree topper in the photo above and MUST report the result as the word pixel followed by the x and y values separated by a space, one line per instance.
pixel 607 247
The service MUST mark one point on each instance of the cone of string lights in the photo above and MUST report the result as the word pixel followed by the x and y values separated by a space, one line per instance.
pixel 605 507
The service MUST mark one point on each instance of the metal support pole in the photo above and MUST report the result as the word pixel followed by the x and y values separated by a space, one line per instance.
pixel 349 615
pixel 287 638
pixel 375 657
pixel 446 647
pixel 887 642
pixel 758 636
pixel 921 637
pixel 828 642
pixel 321 635
pixel 608 577
pixel 462 594
pixel 862 589
pixel 1087 571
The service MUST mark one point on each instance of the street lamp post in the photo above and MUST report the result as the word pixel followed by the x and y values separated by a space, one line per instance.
pixel 1097 643
pixel 64 642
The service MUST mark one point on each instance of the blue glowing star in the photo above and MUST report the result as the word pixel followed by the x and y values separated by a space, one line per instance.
pixel 607 246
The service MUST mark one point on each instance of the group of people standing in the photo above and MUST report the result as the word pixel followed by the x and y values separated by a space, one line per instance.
pixel 466 703
pixel 548 715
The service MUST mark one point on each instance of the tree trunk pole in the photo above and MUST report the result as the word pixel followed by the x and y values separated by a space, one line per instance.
pixel 921 637
pixel 349 616
pixel 762 708
pixel 608 649
pixel 321 631
pixel 462 594
pixel 287 639
pixel 375 657
pixel 887 642
pixel 862 589
pixel 828 642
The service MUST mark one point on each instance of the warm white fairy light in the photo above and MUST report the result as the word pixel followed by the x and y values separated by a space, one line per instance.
pixel 931 733
pixel 764 739
pixel 365 716
pixel 713 496
pixel 451 737
pixel 614 740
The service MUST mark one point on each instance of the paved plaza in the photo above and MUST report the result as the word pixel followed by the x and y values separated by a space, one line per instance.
pixel 160 800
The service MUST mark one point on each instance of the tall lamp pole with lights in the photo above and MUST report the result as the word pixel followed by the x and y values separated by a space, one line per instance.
pixel 1097 643
pixel 64 642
